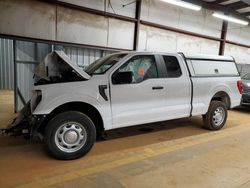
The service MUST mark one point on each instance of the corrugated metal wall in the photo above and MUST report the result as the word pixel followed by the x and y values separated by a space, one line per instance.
pixel 28 55
pixel 6 64
pixel 83 57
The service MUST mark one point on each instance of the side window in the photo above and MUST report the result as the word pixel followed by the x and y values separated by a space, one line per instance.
pixel 173 66
pixel 142 67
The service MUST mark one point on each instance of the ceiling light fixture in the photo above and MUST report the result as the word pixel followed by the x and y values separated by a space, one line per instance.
pixel 183 4
pixel 230 19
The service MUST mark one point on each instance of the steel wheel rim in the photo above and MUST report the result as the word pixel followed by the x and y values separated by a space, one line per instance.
pixel 70 137
pixel 218 116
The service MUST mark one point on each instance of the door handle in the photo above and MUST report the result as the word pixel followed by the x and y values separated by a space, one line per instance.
pixel 157 87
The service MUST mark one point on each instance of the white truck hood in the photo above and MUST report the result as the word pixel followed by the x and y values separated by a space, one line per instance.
pixel 55 63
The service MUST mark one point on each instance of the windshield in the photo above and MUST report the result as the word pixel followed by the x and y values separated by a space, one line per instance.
pixel 103 64
pixel 246 77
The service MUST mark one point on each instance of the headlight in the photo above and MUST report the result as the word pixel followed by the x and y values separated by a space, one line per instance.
pixel 36 99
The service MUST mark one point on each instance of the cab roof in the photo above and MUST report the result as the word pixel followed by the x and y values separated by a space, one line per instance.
pixel 187 56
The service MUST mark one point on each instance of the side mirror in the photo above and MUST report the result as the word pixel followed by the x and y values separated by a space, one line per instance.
pixel 122 78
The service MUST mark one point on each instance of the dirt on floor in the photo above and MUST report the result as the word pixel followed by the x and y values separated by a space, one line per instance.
pixel 6 107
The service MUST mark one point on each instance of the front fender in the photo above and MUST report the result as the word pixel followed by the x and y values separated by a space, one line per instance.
pixel 47 105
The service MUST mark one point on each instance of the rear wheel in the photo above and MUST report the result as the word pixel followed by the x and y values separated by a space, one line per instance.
pixel 69 135
pixel 216 116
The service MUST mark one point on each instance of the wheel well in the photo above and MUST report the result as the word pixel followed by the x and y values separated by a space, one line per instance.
pixel 223 97
pixel 85 108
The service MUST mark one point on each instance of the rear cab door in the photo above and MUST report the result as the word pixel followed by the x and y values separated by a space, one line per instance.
pixel 178 86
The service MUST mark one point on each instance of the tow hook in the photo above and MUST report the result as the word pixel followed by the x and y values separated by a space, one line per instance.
pixel 6 131
pixel 3 131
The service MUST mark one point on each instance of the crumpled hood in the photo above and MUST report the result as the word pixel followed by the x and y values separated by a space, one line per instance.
pixel 55 64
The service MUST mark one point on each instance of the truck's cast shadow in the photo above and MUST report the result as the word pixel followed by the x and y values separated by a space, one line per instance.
pixel 244 109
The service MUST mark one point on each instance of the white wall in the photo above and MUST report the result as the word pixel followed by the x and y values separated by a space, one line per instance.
pixel 195 21
pixel 238 33
pixel 27 18
pixel 42 20
pixel 169 15
pixel 128 10
pixel 80 27
pixel 154 39
pixel 241 54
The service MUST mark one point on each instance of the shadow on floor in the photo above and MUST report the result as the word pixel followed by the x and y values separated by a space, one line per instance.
pixel 244 109
pixel 196 122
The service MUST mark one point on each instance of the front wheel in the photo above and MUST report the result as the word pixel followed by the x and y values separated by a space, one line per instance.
pixel 216 116
pixel 69 135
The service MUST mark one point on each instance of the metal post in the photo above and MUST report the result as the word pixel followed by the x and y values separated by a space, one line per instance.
pixel 15 78
pixel 52 47
pixel 36 51
pixel 137 24
pixel 223 37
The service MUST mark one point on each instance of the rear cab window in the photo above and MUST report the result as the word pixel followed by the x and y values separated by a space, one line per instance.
pixel 172 65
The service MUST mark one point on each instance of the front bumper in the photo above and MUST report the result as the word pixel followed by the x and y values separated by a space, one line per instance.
pixel 24 124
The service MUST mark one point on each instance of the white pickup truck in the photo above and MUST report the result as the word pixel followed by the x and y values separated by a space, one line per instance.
pixel 70 106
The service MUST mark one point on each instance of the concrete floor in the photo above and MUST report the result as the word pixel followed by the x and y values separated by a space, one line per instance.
pixel 176 153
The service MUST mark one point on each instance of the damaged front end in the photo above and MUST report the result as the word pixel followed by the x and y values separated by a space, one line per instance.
pixel 25 123
pixel 21 125
pixel 55 69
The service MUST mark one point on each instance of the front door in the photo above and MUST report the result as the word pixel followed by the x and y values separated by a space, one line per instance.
pixel 142 100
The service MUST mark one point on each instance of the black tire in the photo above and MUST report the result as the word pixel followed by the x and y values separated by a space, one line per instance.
pixel 77 124
pixel 209 120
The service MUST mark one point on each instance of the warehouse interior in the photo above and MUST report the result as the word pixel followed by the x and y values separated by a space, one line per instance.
pixel 175 153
